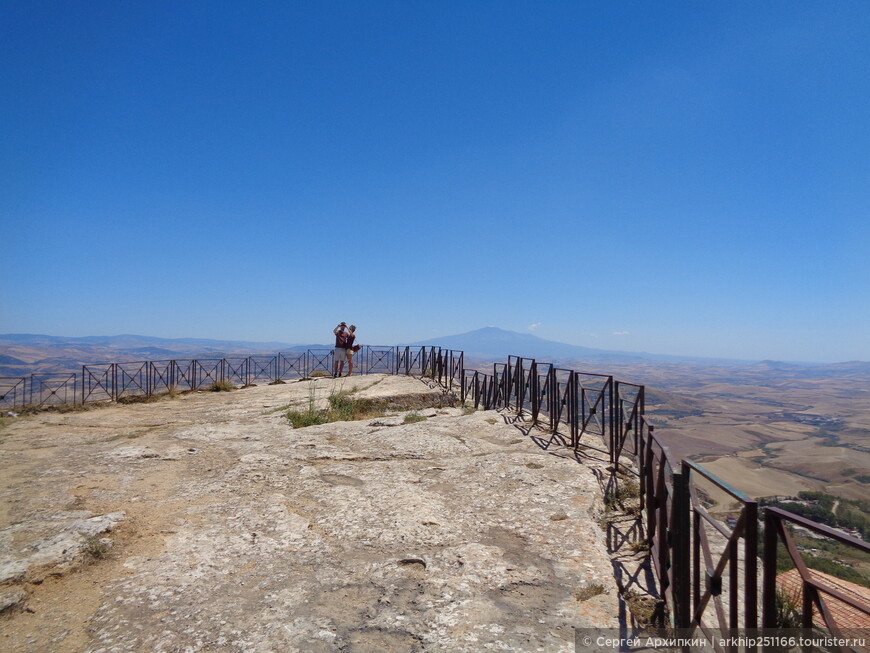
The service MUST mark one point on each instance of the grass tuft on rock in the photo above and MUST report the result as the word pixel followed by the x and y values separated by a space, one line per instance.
pixel 95 548
pixel 341 406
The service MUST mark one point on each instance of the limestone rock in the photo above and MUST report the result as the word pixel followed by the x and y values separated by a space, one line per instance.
pixel 234 531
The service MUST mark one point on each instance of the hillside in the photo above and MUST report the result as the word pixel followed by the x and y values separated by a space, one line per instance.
pixel 492 343
pixel 23 354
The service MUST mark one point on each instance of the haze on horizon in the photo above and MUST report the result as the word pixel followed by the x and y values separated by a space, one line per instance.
pixel 686 179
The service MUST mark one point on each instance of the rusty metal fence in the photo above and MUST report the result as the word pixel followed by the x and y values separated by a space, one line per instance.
pixel 117 381
pixel 708 566
pixel 823 601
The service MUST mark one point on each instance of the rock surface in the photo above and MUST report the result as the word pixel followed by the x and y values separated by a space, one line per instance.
pixel 232 531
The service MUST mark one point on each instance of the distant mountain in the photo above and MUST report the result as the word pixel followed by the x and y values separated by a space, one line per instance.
pixel 22 354
pixel 128 341
pixel 850 369
pixel 492 343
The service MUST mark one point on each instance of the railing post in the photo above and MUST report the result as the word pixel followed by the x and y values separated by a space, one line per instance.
pixel 650 496
pixel 612 407
pixel 552 398
pixel 768 597
pixel 750 564
pixel 618 424
pixel 696 560
pixel 573 380
pixel 679 540
pixel 662 527
pixel 810 596
pixel 618 431
pixel 639 413
pixel 534 389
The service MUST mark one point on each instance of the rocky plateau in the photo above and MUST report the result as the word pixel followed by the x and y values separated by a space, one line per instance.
pixel 206 522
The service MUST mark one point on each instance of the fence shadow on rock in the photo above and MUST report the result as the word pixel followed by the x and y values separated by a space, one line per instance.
pixel 706 565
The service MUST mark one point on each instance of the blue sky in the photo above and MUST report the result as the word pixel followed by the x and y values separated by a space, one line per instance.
pixel 675 177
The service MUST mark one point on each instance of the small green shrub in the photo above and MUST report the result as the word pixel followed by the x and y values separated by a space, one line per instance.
pixel 641 546
pixel 301 419
pixel 95 548
pixel 413 417
pixel 225 385
pixel 586 593
pixel 138 399
pixel 311 415
pixel 623 496
pixel 645 610
pixel 628 489
pixel 341 407
pixel 787 612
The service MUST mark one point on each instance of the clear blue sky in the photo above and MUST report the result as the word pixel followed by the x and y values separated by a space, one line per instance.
pixel 673 177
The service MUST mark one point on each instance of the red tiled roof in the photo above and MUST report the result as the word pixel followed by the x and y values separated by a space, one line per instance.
pixel 855 614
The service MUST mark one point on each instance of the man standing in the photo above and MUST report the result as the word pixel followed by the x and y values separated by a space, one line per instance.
pixel 339 355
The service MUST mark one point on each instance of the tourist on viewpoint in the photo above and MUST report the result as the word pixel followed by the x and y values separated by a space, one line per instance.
pixel 339 354
pixel 350 348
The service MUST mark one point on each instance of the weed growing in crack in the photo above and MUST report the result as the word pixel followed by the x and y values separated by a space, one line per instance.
pixel 95 548
pixel 588 592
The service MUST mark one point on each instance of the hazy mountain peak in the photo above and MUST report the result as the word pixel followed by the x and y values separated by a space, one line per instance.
pixel 492 342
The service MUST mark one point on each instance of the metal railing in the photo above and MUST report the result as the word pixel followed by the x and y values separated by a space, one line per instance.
pixel 819 592
pixel 706 567
pixel 716 556
pixel 117 381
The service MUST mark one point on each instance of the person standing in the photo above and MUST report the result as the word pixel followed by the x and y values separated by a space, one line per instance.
pixel 339 354
pixel 350 348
